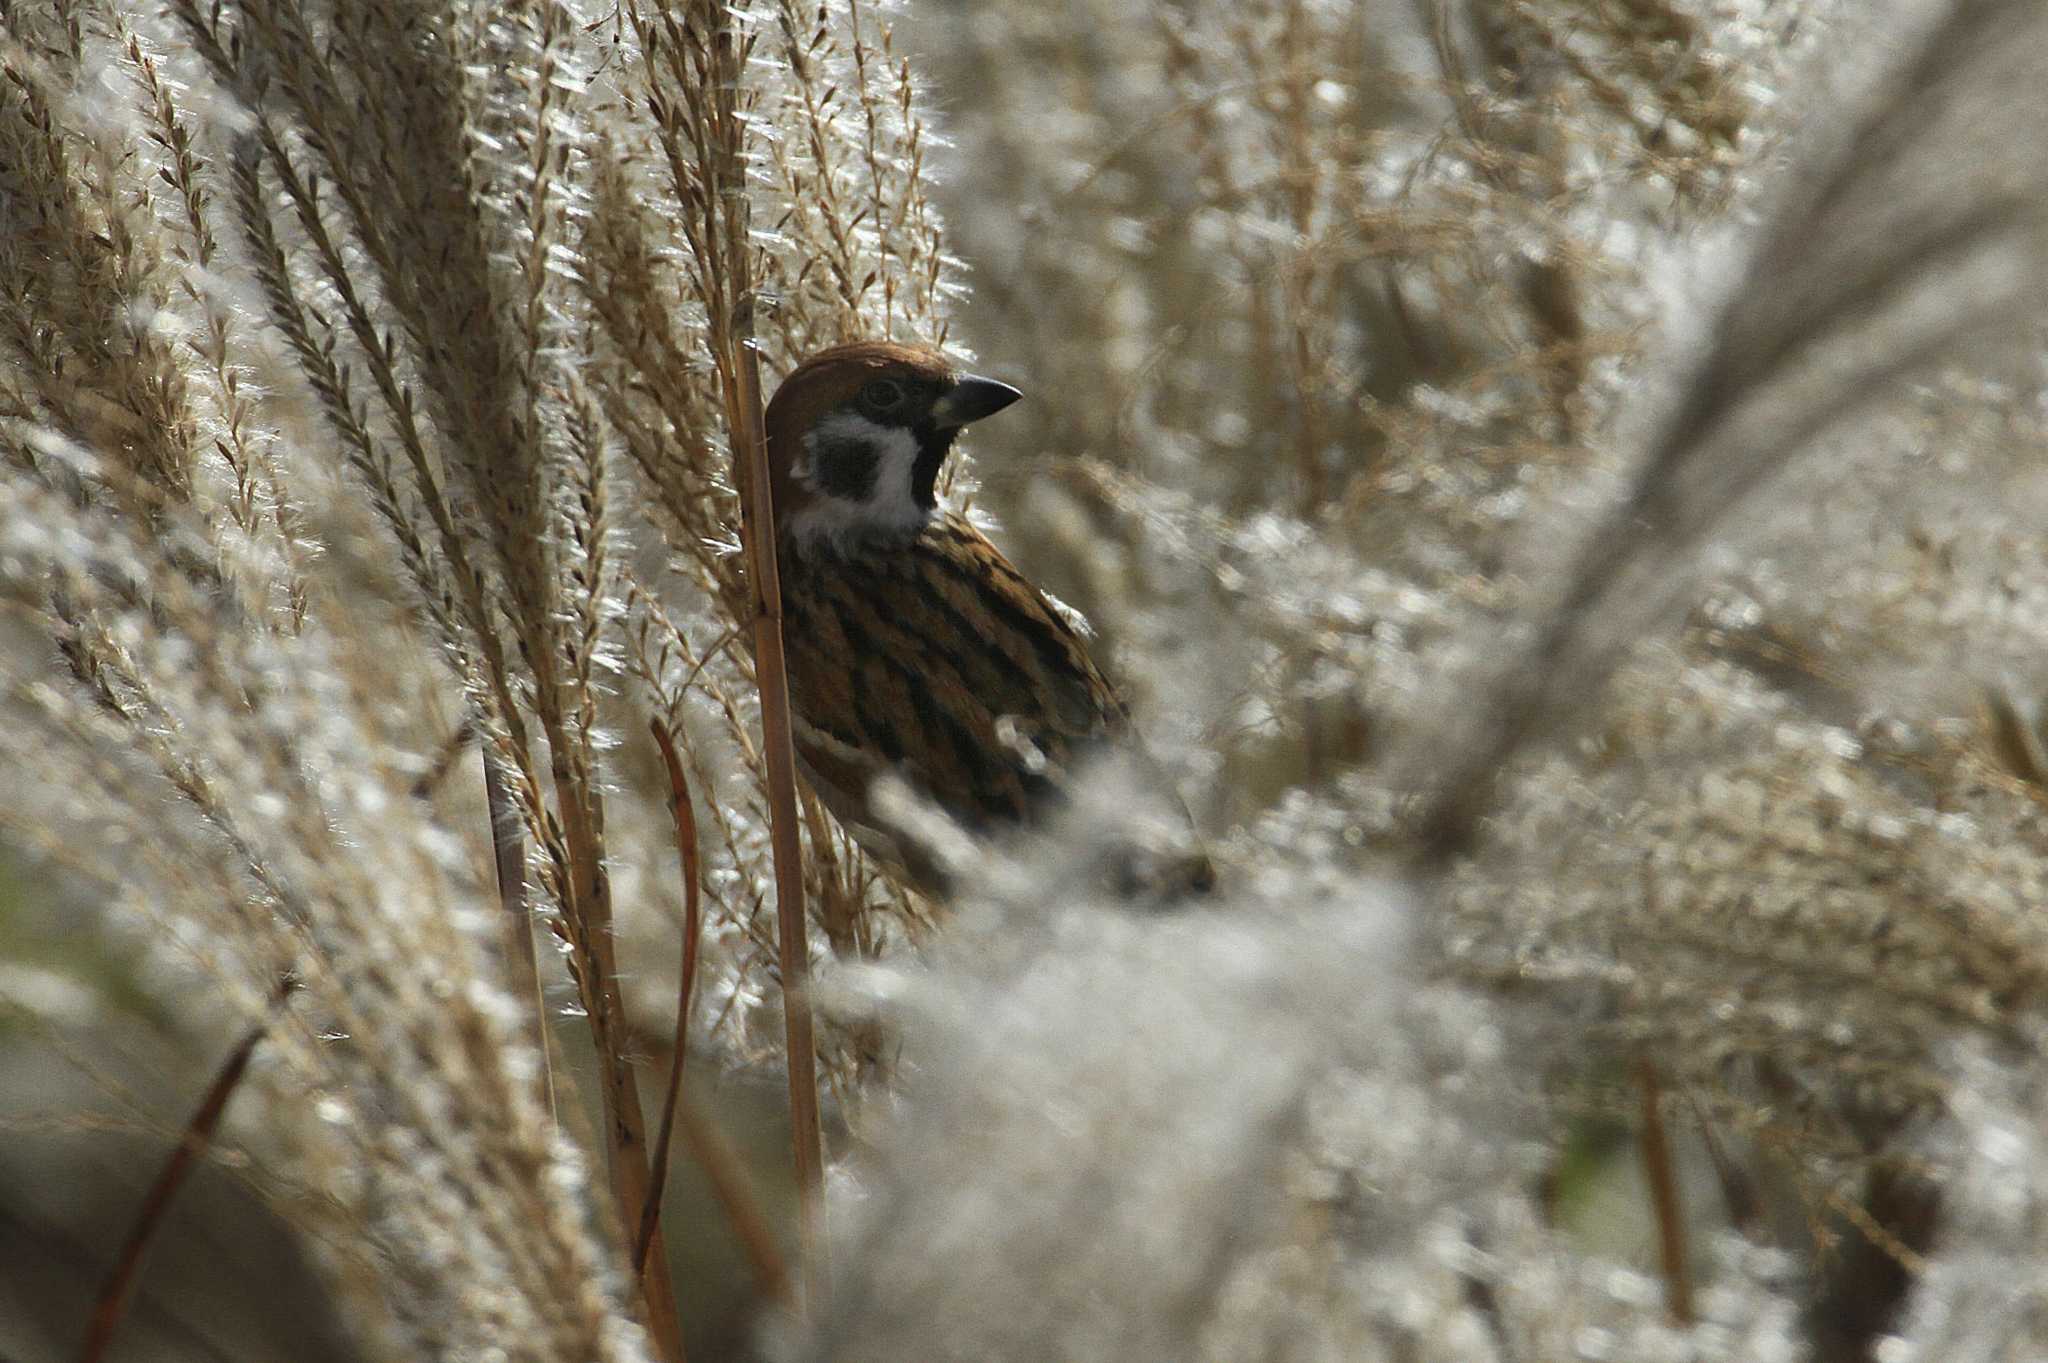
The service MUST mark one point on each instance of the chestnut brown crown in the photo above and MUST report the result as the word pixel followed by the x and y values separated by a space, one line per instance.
pixel 857 436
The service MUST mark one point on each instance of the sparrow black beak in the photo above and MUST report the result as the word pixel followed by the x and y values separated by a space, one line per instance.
pixel 970 399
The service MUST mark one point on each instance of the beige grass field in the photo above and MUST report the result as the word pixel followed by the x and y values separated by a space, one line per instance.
pixel 1559 482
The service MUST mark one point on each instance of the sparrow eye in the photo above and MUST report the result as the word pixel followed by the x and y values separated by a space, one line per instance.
pixel 883 396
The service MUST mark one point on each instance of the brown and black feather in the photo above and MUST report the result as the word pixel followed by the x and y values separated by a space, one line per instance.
pixel 938 660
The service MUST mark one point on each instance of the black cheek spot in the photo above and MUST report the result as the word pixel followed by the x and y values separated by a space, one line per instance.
pixel 844 466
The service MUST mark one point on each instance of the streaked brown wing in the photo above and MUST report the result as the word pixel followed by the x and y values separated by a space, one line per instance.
pixel 913 659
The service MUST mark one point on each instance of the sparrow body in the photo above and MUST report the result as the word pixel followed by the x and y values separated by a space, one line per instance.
pixel 913 645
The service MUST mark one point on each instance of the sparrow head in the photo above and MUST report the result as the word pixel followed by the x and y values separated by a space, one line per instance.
pixel 857 435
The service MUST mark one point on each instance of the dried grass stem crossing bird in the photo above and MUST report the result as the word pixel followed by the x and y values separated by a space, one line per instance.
pixel 914 647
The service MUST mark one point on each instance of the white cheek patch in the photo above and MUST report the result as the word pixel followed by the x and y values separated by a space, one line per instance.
pixel 889 508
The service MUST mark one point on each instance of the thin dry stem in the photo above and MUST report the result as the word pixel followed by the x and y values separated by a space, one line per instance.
pixel 683 813
pixel 1661 1172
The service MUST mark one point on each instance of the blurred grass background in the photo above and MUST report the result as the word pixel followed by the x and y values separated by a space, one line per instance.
pixel 1559 483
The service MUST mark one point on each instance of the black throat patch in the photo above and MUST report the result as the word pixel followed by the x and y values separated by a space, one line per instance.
pixel 933 444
